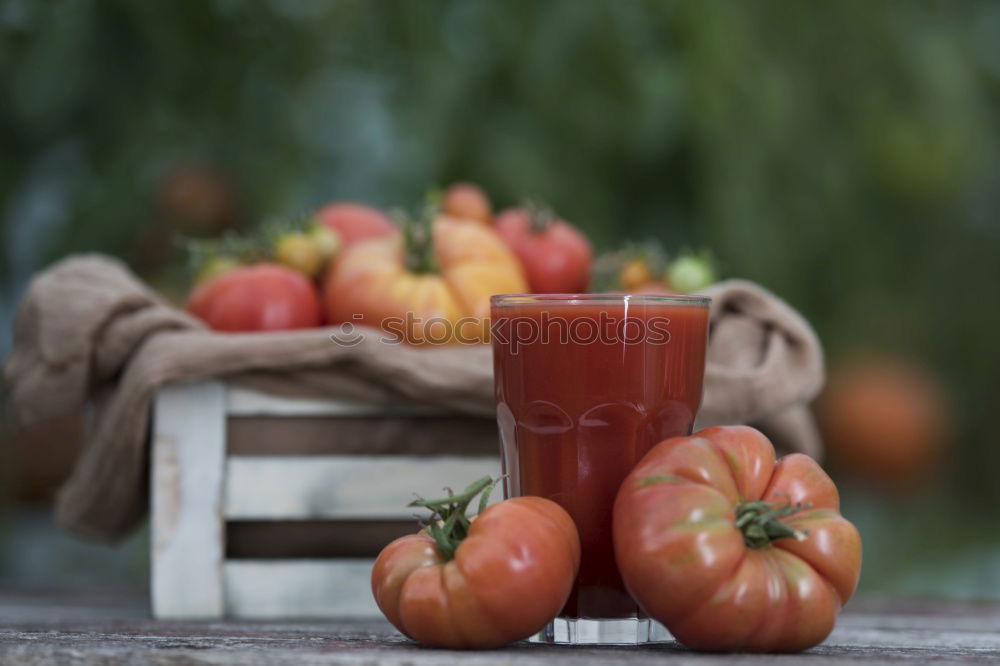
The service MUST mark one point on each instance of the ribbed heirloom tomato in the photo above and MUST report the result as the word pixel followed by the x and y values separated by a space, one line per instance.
pixel 424 285
pixel 732 550
pixel 479 583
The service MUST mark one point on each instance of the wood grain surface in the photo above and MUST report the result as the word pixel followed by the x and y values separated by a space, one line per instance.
pixel 84 628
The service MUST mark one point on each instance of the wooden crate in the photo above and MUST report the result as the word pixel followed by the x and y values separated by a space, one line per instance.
pixel 274 507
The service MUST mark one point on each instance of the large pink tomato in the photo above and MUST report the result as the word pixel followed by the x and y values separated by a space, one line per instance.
pixel 731 549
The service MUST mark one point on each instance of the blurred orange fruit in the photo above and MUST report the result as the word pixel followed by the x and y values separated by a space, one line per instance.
pixel 634 274
pixel 197 199
pixel 886 422
pixel 654 288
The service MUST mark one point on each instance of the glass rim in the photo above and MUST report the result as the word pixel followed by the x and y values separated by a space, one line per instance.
pixel 571 299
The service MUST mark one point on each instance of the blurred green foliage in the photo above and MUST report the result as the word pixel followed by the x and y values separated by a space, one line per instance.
pixel 844 154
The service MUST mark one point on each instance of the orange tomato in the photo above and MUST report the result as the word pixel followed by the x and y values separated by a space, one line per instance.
pixel 885 422
pixel 634 274
pixel 655 288
pixel 424 286
pixel 467 201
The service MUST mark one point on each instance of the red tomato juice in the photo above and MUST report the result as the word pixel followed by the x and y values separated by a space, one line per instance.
pixel 585 386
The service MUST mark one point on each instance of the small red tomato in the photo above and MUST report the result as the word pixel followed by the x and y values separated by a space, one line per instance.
pixel 732 550
pixel 555 255
pixel 482 582
pixel 263 297
pixel 467 201
pixel 355 222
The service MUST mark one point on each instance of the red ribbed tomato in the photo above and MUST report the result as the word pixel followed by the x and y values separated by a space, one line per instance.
pixel 480 583
pixel 732 550
pixel 264 297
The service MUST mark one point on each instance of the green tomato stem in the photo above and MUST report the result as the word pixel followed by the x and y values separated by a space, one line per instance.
pixel 761 523
pixel 448 524
pixel 540 216
pixel 418 239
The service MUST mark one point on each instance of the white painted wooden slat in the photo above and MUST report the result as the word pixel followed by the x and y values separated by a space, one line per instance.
pixel 299 588
pixel 246 402
pixel 354 487
pixel 186 497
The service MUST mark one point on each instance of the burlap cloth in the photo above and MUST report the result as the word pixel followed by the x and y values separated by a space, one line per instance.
pixel 89 334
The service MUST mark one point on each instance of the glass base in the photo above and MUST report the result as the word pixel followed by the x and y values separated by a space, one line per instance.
pixel 588 631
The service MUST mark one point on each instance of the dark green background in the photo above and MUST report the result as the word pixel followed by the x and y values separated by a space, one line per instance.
pixel 844 154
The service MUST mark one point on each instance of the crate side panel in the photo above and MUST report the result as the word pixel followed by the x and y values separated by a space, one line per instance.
pixel 299 588
pixel 348 487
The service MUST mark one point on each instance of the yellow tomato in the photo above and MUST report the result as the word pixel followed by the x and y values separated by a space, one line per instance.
pixel 299 252
pixel 424 290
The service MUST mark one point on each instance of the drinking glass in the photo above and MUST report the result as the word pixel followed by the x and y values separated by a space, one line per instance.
pixel 586 384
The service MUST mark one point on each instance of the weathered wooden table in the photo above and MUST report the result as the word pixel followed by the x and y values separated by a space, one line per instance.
pixel 115 628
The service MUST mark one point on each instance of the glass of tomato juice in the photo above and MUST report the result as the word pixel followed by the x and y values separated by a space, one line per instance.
pixel 586 384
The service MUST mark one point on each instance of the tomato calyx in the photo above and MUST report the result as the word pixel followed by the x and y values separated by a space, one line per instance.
pixel 448 524
pixel 761 523
pixel 418 241
pixel 210 257
pixel 540 217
